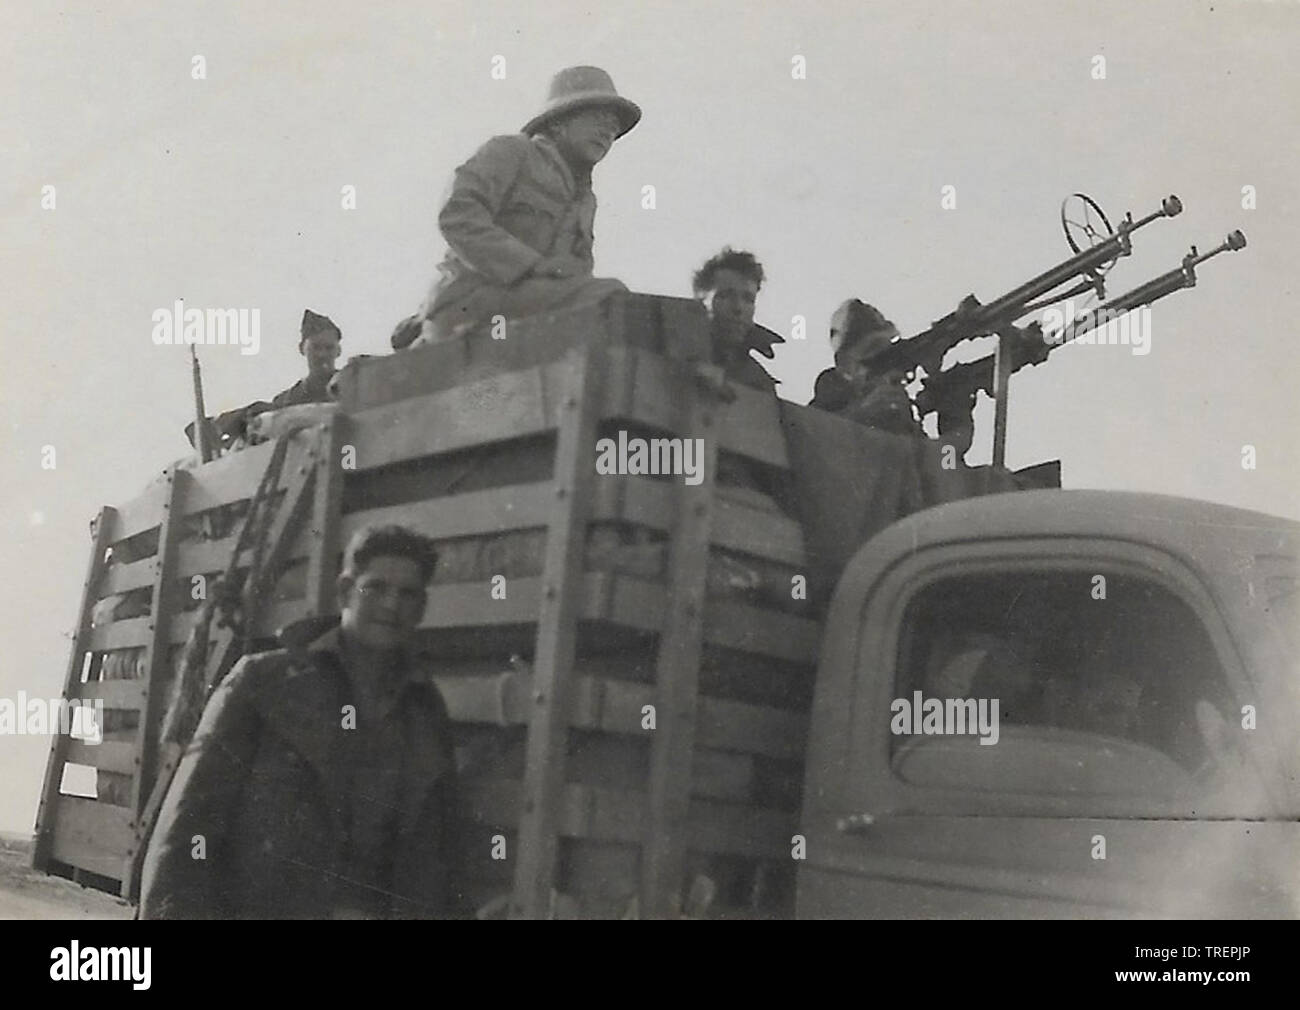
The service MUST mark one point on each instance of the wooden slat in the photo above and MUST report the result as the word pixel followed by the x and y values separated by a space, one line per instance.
pixel 235 476
pixel 740 830
pixel 506 405
pixel 470 604
pixel 767 632
pixel 475 513
pixel 633 499
pixel 579 811
pixel 609 815
pixel 207 557
pixel 139 514
pixel 229 479
pixel 109 756
pixel 677 669
pixel 116 694
pixel 418 371
pixel 754 729
pixel 624 600
pixel 45 813
pixel 749 426
pixel 761 533
pixel 647 391
pixel 92 836
pixel 684 329
pixel 640 604
pixel 629 499
pixel 493 409
pixel 123 578
pixel 561 606
pixel 721 776
pixel 131 633
pixel 615 706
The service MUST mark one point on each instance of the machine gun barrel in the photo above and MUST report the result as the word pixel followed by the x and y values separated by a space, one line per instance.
pixel 1182 276
pixel 971 319
pixel 958 384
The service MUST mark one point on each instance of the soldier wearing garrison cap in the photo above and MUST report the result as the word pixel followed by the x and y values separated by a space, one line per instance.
pixel 319 343
pixel 518 222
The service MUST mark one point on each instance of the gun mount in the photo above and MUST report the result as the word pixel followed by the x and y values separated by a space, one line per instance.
pixel 973 319
pixel 952 391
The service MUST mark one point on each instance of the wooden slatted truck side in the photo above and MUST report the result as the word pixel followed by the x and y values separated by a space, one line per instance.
pixel 653 718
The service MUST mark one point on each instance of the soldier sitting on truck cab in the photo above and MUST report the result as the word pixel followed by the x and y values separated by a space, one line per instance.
pixel 728 286
pixel 852 388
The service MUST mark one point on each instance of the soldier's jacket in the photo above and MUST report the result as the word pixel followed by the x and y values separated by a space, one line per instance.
pixel 266 783
pixel 306 390
pixel 740 367
pixel 883 404
pixel 513 203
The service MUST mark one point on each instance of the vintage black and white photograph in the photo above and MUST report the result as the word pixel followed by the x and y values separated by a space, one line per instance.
pixel 665 460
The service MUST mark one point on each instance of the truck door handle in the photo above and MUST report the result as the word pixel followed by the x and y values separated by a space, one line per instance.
pixel 855 824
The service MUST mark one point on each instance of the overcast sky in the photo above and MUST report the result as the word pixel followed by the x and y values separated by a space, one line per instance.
pixel 226 192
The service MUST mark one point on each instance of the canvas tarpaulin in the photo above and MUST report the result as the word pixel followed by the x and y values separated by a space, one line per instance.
pixel 851 482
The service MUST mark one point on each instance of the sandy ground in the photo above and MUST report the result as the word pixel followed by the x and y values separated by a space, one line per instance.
pixel 26 894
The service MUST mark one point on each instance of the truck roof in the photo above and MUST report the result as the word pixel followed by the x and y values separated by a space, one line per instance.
pixel 1233 549
pixel 1187 527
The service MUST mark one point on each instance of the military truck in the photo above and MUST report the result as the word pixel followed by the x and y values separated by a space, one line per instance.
pixel 682 697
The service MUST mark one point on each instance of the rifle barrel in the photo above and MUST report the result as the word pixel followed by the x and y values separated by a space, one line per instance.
pixel 200 412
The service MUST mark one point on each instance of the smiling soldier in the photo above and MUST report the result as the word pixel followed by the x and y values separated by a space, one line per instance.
pixel 518 223
pixel 320 782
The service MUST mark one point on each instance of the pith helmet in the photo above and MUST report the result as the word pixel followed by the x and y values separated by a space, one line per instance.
pixel 583 88
pixel 856 322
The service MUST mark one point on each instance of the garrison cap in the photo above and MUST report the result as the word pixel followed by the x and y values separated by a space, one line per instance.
pixel 314 322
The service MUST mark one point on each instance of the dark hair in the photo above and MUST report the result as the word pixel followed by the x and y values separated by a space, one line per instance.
pixel 729 259
pixel 372 542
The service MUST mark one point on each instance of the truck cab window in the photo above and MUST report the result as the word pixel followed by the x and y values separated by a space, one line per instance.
pixel 1133 666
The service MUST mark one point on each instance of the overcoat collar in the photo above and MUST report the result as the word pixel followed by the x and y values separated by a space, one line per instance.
pixel 304 707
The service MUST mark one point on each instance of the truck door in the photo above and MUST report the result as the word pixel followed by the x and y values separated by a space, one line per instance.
pixel 1047 728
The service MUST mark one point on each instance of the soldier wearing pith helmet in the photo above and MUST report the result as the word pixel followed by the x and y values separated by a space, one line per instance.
pixel 518 222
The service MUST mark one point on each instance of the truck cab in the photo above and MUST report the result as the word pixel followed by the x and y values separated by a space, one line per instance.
pixel 1125 664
